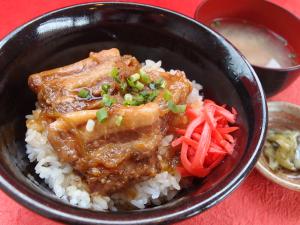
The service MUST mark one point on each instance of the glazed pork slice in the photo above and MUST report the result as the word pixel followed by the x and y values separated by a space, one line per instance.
pixel 135 154
pixel 36 81
pixel 57 89
pixel 111 157
pixel 133 117
pixel 177 84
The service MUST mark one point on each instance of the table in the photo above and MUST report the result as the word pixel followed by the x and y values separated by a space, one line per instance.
pixel 256 201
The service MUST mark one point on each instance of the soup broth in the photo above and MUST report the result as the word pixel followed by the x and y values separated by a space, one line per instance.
pixel 259 45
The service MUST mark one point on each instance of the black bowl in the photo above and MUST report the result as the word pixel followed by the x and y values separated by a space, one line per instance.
pixel 276 80
pixel 69 34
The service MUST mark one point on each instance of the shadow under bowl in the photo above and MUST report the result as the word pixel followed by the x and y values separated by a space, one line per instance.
pixel 68 35
pixel 282 116
pixel 268 15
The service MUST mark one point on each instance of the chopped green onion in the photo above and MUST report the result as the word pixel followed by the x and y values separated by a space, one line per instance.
pixel 123 86
pixel 115 74
pixel 84 93
pixel 144 77
pixel 130 102
pixel 161 83
pixel 139 86
pixel 167 95
pixel 133 100
pixel 107 100
pixel 102 114
pixel 105 88
pixel 119 120
pixel 134 77
pixel 130 83
pixel 176 108
pixel 135 90
pixel 152 96
pixel 145 94
pixel 152 86
pixel 134 83
pixel 139 99
pixel 128 97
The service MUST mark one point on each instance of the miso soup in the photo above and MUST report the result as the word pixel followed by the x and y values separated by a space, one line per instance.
pixel 259 45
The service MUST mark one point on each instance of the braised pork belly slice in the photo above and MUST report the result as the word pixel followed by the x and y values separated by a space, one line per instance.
pixel 177 84
pixel 57 89
pixel 111 157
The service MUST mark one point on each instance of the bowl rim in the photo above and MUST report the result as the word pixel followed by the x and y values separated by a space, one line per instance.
pixel 292 15
pixel 264 170
pixel 188 211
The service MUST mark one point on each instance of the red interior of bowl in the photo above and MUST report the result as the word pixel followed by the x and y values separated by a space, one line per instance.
pixel 259 12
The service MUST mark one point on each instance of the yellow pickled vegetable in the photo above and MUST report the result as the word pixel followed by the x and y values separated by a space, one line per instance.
pixel 282 149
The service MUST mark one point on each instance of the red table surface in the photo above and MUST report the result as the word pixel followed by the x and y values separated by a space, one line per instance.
pixel 256 201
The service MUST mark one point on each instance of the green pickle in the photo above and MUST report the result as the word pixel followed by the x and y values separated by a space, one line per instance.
pixel 282 149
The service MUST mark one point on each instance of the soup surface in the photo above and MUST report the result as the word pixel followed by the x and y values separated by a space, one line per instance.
pixel 260 46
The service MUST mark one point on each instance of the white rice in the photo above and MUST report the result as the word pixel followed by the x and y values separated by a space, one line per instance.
pixel 70 187
pixel 153 190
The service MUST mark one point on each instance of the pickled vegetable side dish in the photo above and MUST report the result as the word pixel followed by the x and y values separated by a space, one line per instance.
pixel 282 149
